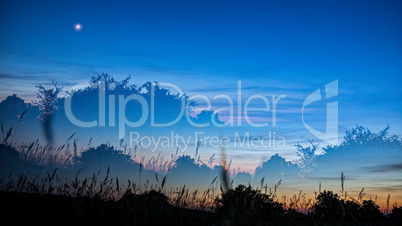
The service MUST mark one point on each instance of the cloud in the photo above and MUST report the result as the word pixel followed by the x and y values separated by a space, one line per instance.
pixel 386 188
pixel 17 77
pixel 329 178
pixel 385 168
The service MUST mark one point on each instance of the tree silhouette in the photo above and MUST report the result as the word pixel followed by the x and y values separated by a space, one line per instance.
pixel 396 215
pixel 47 102
pixel 370 212
pixel 104 156
pixel 245 205
pixel 276 168
pixel 306 158
pixel 330 208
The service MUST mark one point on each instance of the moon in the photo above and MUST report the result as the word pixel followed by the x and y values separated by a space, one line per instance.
pixel 77 27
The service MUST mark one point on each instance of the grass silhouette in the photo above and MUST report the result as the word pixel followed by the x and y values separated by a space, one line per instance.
pixel 49 198
pixel 45 195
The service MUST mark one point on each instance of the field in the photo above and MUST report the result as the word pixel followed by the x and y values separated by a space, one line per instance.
pixel 102 184
pixel 42 196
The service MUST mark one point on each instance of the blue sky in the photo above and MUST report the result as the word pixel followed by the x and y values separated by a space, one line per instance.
pixel 287 48
pixel 206 47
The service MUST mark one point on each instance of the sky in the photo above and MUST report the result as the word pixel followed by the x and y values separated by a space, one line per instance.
pixel 289 48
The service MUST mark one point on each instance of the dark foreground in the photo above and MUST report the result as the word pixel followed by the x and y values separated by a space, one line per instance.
pixel 152 208
pixel 148 209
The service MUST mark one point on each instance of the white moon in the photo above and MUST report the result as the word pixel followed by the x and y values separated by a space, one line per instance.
pixel 77 27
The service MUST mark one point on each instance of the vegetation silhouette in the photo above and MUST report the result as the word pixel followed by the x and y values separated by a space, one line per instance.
pixel 329 207
pixel 243 205
pixel 47 100
pixel 105 156
pixel 48 111
pixel 91 200
pixel 46 200
pixel 276 168
pixel 111 185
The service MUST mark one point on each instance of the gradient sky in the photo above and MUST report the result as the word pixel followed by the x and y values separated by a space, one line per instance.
pixel 206 47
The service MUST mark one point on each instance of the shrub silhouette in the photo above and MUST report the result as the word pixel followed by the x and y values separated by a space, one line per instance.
pixel 330 208
pixel 187 169
pixel 148 207
pixel 244 205
pixel 370 212
pixel 106 157
pixel 153 199
pixel 9 159
pixel 396 215
pixel 275 168
pixel 8 154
